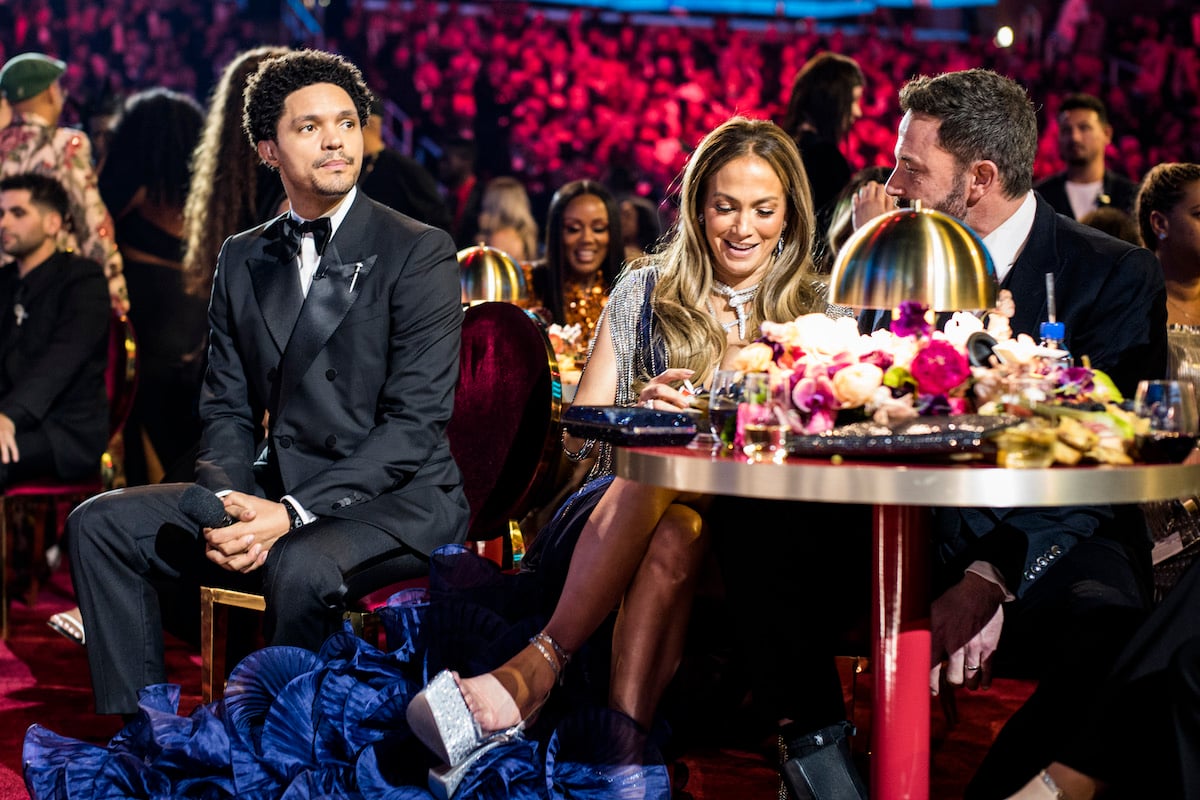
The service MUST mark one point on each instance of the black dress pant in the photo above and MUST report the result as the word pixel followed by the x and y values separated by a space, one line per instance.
pixel 133 553
pixel 798 580
pixel 1142 737
pixel 1066 632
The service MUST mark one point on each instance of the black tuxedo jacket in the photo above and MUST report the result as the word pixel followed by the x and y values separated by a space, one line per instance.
pixel 1109 294
pixel 358 382
pixel 52 365
pixel 1111 297
pixel 1120 191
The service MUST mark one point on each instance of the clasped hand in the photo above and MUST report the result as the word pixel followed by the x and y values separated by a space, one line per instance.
pixel 243 546
pixel 966 624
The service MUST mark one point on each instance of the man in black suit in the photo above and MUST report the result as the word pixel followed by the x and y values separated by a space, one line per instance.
pixel 1084 133
pixel 53 341
pixel 1045 590
pixel 338 323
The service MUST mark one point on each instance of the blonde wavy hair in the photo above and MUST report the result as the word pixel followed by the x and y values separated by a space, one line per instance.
pixel 224 188
pixel 693 337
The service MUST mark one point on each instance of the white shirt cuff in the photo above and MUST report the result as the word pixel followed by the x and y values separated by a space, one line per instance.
pixel 989 573
pixel 304 513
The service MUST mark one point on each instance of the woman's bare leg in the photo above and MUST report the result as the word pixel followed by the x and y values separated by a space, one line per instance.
pixel 610 548
pixel 652 624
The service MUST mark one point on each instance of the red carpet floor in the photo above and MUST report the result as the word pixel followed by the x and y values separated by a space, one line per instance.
pixel 44 679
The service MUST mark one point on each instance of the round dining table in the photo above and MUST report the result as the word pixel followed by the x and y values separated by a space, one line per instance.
pixel 902 494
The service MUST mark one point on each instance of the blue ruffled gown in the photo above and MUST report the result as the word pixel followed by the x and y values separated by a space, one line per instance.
pixel 296 725
pixel 299 725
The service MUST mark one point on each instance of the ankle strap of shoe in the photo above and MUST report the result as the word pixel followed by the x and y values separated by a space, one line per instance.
pixel 553 652
pixel 1048 782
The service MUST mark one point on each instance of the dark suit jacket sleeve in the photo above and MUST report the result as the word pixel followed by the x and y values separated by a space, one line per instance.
pixel 1123 330
pixel 227 447
pixel 417 398
pixel 1111 297
pixel 1021 543
pixel 82 323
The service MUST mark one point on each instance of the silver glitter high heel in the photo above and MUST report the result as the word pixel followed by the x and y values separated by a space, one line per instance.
pixel 439 717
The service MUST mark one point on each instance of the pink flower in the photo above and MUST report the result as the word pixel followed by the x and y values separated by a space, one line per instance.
pixel 959 405
pixel 939 367
pixel 815 397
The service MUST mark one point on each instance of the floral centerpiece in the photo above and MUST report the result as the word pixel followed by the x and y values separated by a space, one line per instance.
pixel 828 368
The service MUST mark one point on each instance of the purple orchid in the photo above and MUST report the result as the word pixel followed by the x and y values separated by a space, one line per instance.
pixel 814 395
pixel 910 320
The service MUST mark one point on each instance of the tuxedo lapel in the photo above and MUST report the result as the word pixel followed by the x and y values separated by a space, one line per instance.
pixel 276 281
pixel 337 283
pixel 1027 279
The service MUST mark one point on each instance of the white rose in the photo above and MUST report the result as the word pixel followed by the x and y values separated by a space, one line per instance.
pixel 855 384
pixel 960 327
pixel 1021 350
pixel 782 332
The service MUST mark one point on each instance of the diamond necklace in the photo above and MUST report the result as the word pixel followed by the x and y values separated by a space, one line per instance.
pixel 737 299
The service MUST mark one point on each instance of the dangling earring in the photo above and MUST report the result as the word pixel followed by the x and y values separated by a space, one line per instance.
pixel 779 247
pixel 700 220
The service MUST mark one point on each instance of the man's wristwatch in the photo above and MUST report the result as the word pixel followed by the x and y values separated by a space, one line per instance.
pixel 293 515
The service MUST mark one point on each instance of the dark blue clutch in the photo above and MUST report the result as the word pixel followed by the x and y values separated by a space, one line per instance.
pixel 634 426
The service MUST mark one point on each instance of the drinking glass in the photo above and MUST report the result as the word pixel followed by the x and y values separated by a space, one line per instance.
pixel 1169 411
pixel 1029 445
pixel 764 428
pixel 724 392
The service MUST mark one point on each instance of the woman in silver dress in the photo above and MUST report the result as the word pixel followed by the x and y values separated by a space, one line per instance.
pixel 738 255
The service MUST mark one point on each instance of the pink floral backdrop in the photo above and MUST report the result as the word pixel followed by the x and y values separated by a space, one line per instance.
pixel 558 96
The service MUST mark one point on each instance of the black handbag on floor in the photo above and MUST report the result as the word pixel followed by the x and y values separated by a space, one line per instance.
pixel 818 766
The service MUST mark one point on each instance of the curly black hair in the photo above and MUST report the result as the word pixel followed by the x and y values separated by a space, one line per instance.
pixel 276 78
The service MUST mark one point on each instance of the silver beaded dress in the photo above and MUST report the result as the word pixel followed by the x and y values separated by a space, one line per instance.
pixel 639 355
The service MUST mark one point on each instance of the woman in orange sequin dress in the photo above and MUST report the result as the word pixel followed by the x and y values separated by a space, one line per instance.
pixel 583 255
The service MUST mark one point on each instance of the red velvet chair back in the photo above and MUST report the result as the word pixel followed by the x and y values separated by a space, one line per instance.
pixel 505 429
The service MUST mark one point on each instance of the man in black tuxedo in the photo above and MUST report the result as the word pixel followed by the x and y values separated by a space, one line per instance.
pixel 338 324
pixel 1084 134
pixel 53 341
pixel 1045 590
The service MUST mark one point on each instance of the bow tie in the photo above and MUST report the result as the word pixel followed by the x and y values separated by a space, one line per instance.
pixel 294 230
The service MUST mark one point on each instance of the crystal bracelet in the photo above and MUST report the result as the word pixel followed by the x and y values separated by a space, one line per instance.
pixel 582 452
